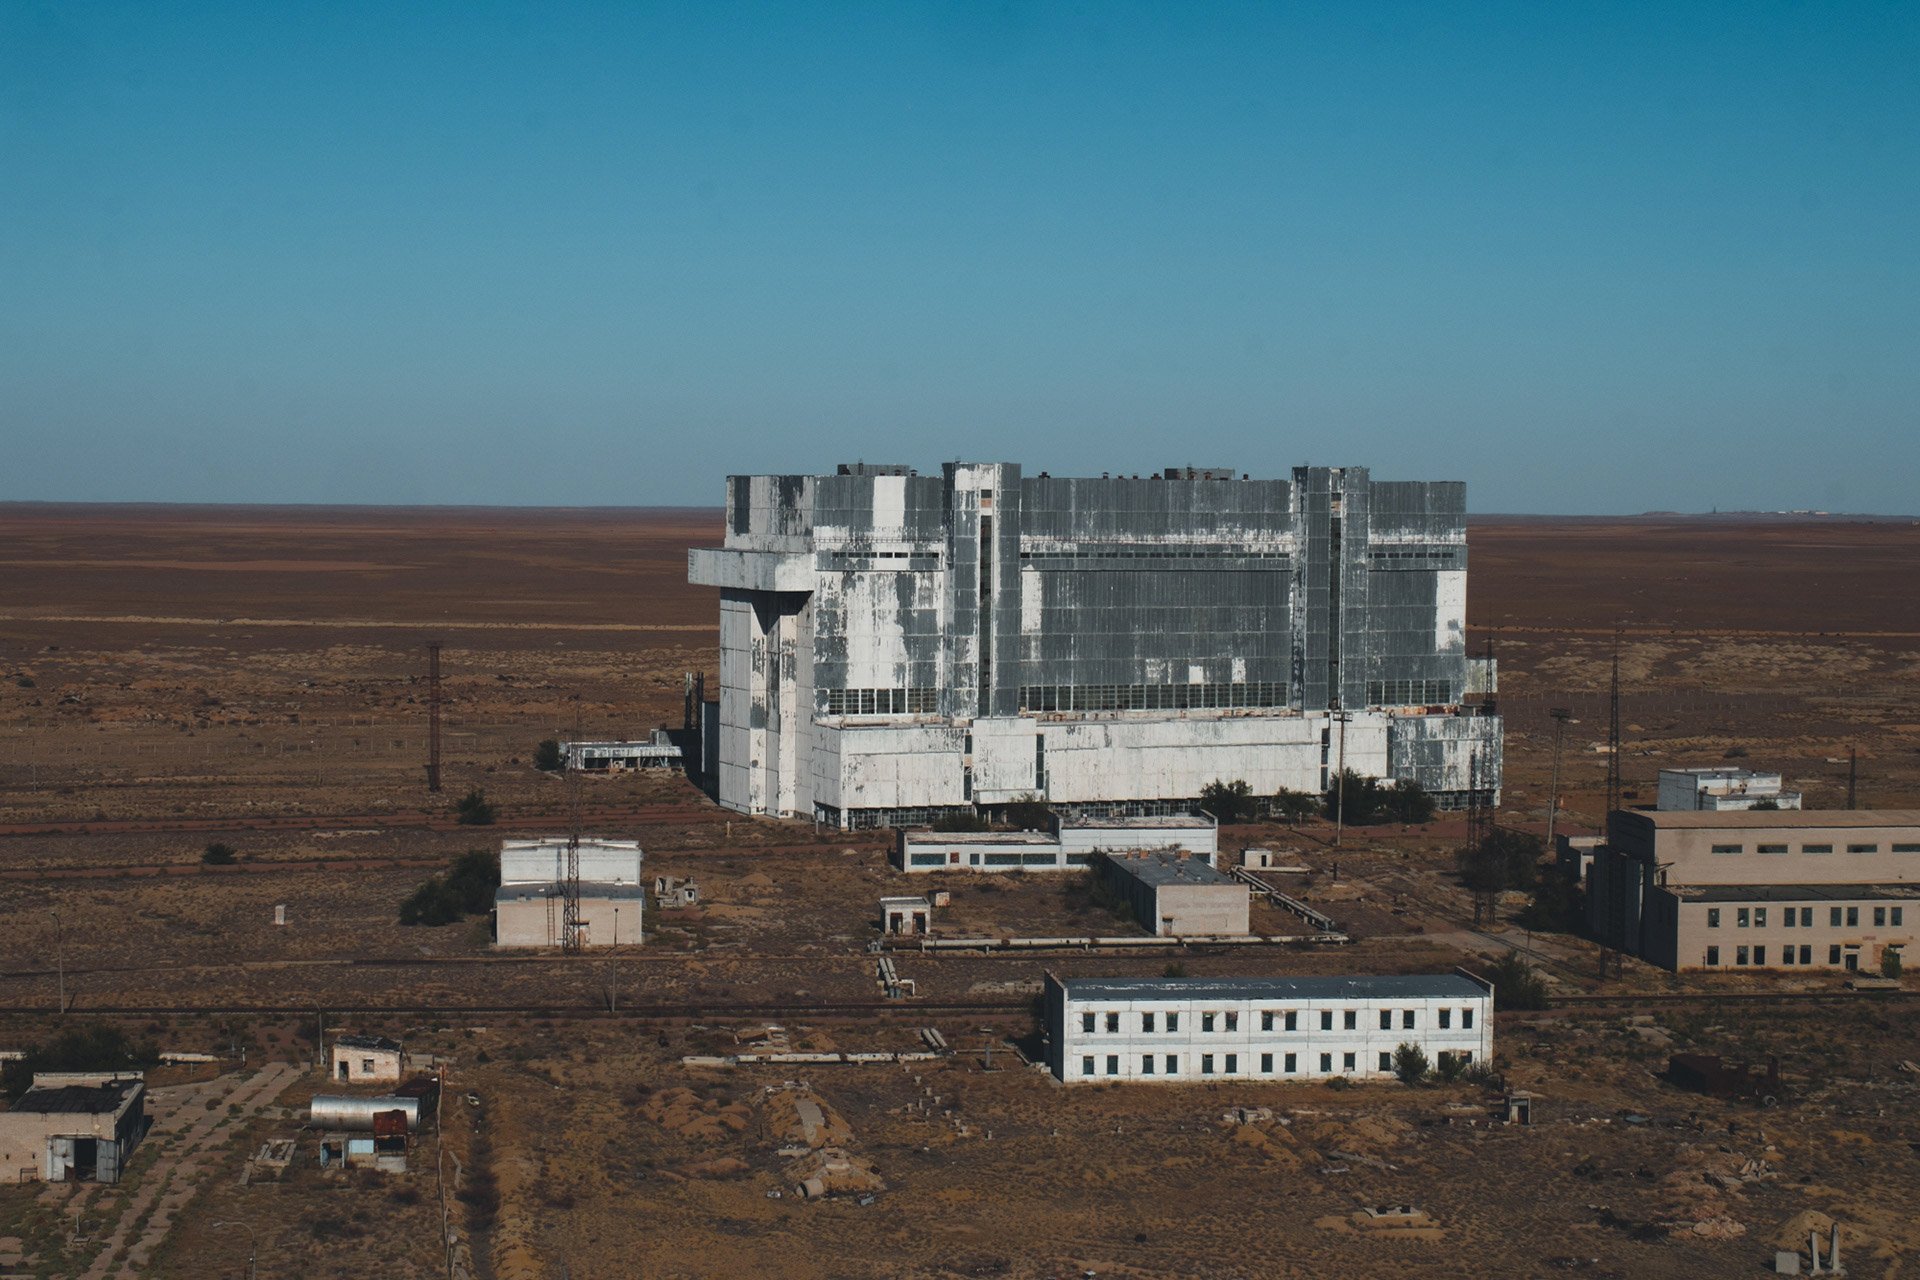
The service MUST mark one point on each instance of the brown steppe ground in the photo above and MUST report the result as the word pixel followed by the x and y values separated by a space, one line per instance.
pixel 162 666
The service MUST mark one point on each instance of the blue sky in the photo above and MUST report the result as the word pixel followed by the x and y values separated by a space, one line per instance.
pixel 1594 258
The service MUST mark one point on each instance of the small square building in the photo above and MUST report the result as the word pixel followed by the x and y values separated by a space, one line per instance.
pixel 365 1059
pixel 74 1127
pixel 1174 894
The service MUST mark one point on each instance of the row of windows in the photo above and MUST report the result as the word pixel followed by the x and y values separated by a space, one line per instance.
pixel 1756 956
pixel 1271 1019
pixel 882 702
pixel 1160 551
pixel 1229 1063
pixel 892 561
pixel 1898 847
pixel 1408 693
pixel 1412 553
pixel 1837 917
pixel 1152 697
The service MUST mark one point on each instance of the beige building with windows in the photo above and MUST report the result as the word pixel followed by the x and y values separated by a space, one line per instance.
pixel 1783 890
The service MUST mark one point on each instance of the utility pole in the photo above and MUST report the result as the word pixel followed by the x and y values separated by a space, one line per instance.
pixel 1341 716
pixel 1613 734
pixel 59 959
pixel 1561 717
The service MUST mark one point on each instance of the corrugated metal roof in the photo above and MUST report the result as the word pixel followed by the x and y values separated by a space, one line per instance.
pixel 1415 986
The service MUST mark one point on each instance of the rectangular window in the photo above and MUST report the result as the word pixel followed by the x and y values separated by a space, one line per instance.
pixel 1086 1023
pixel 1291 1063
pixel 1386 1062
pixel 1466 1019
pixel 1729 848
pixel 1770 848
pixel 1173 1022
pixel 1233 1022
pixel 1206 1022
pixel 1146 1065
pixel 1759 917
pixel 1266 1064
pixel 1326 1015
pixel 1353 1020
pixel 1806 955
pixel 1113 1064
pixel 1879 917
pixel 1906 848
pixel 1816 848
pixel 1853 917
pixel 1786 955
pixel 1833 955
pixel 1206 1064
pixel 1863 848
pixel 1760 956
pixel 1326 1063
pixel 1233 1064
pixel 1386 1019
pixel 1894 914
pixel 1806 917
pixel 1292 1021
pixel 1347 1061
pixel 1833 916
pixel 1713 956
pixel 1743 917
pixel 1113 1024
pixel 1173 1064
pixel 1266 1021
pixel 1739 955
pixel 1409 1018
pixel 1146 1023
pixel 1713 917
pixel 1790 916
pixel 1446 1019
pixel 1086 1065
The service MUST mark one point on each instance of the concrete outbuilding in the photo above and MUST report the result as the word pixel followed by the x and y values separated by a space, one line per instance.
pixel 1174 895
pixel 365 1059
pixel 73 1127
pixel 529 906
pixel 908 916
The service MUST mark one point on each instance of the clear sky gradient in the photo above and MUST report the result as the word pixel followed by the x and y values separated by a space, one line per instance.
pixel 1593 258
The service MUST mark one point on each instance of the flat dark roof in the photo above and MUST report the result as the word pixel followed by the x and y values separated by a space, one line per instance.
pixel 1166 867
pixel 1795 892
pixel 78 1099
pixel 1415 986
pixel 368 1042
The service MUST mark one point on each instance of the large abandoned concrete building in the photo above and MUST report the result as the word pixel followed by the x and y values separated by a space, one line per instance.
pixel 896 646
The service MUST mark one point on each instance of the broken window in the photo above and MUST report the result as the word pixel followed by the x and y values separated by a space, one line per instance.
pixel 1206 1022
pixel 1113 1024
pixel 1233 1021
pixel 1326 1063
pixel 1446 1019
pixel 1408 1018
pixel 1173 1022
pixel 1347 1061
pixel 1206 1064
pixel 1713 917
pixel 1353 1019
pixel 1086 1023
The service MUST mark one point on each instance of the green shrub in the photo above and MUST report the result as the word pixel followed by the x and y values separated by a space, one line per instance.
pixel 1028 813
pixel 1890 962
pixel 219 855
pixel 1410 1063
pixel 1515 984
pixel 966 820
pixel 1229 802
pixel 473 809
pixel 1506 859
pixel 1292 806
pixel 546 756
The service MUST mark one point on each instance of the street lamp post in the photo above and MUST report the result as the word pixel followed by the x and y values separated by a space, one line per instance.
pixel 1561 718
pixel 1340 784
pixel 253 1246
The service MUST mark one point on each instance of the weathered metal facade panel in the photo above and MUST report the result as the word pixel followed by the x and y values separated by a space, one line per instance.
pixel 1195 628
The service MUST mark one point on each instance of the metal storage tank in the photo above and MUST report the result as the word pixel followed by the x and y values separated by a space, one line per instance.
pixel 338 1112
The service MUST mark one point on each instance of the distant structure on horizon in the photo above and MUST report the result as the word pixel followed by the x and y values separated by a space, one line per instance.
pixel 895 647
pixel 1720 790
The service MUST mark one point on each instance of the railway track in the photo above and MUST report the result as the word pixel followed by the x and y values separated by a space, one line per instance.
pixel 413 819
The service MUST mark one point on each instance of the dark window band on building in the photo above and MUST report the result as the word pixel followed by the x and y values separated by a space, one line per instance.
pixel 1153 697
pixel 881 702
pixel 1410 693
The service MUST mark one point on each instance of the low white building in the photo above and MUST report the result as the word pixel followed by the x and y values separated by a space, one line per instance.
pixel 1187 1029
pixel 904 915
pixel 619 756
pixel 529 906
pixel 1719 790
pixel 1175 895
pixel 359 1059
pixel 1067 845
pixel 77 1126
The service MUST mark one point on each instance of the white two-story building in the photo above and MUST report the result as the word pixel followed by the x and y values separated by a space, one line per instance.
pixel 1187 1029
